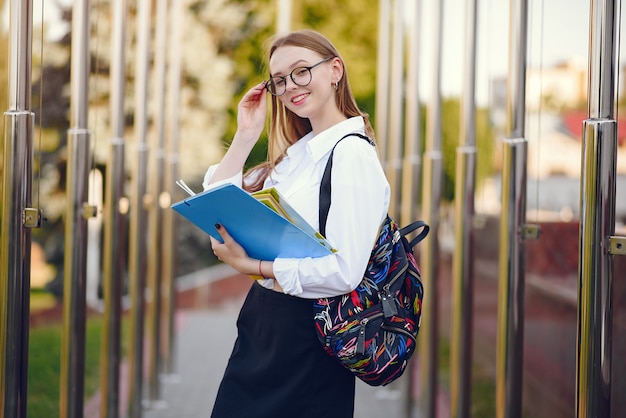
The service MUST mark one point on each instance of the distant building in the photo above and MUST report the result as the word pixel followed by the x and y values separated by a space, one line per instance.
pixel 556 104
pixel 561 86
pixel 555 147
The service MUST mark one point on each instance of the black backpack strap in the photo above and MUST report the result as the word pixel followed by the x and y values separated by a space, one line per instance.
pixel 325 187
pixel 412 227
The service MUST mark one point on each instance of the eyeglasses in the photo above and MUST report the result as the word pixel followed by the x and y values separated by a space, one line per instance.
pixel 300 76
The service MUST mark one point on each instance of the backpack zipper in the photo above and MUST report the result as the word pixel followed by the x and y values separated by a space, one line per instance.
pixel 360 341
pixel 388 300
pixel 399 330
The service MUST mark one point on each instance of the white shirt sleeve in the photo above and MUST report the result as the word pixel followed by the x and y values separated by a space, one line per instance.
pixel 359 204
pixel 237 179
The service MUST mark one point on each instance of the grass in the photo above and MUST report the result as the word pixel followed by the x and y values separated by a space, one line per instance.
pixel 483 401
pixel 45 364
pixel 483 387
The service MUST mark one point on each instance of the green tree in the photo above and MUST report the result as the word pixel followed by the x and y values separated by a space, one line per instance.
pixel 485 145
pixel 353 27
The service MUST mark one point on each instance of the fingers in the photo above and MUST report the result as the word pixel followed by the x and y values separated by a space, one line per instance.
pixel 252 111
pixel 256 92
pixel 230 252
pixel 218 247
pixel 226 250
pixel 222 231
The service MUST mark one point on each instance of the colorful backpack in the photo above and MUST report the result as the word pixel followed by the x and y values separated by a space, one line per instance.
pixel 372 330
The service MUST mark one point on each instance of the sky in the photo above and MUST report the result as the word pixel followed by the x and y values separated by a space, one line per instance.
pixel 558 30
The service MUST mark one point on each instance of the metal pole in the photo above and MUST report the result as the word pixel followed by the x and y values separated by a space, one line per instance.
pixel 115 225
pixel 429 335
pixel 137 266
pixel 17 217
pixel 431 200
pixel 94 241
pixel 510 340
pixel 77 212
pixel 597 222
pixel 382 77
pixel 394 137
pixel 462 266
pixel 169 233
pixel 283 24
pixel 156 186
pixel 20 52
pixel 412 163
pixel 516 87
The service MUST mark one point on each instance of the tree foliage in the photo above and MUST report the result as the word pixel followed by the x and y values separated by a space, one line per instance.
pixel 485 145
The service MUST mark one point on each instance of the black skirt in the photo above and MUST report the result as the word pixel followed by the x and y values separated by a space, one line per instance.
pixel 278 368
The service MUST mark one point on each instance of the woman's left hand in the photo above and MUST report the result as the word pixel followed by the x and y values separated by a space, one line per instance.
pixel 231 253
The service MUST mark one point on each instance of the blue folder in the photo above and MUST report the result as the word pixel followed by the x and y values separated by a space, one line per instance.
pixel 263 233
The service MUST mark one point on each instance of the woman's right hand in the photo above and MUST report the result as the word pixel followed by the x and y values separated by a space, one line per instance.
pixel 251 114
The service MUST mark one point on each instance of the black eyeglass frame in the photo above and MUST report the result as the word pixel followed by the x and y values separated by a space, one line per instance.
pixel 284 78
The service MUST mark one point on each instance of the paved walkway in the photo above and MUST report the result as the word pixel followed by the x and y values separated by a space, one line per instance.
pixel 205 339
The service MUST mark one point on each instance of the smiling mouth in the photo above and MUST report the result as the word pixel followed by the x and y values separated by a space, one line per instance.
pixel 300 97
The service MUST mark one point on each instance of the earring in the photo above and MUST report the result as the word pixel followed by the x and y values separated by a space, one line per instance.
pixel 336 85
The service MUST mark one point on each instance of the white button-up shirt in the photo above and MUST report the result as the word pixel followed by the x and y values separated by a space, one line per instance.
pixel 359 204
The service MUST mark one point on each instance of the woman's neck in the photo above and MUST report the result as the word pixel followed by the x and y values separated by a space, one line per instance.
pixel 322 124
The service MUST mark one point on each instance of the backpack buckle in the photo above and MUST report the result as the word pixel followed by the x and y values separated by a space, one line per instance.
pixel 396 237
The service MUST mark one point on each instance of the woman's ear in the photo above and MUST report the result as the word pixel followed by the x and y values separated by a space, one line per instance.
pixel 337 69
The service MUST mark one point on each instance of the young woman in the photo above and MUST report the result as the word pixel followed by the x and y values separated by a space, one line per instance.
pixel 278 368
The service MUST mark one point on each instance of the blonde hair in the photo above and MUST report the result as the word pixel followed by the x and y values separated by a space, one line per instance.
pixel 285 126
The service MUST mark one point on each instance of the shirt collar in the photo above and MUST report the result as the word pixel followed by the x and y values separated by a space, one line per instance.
pixel 299 146
pixel 323 142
